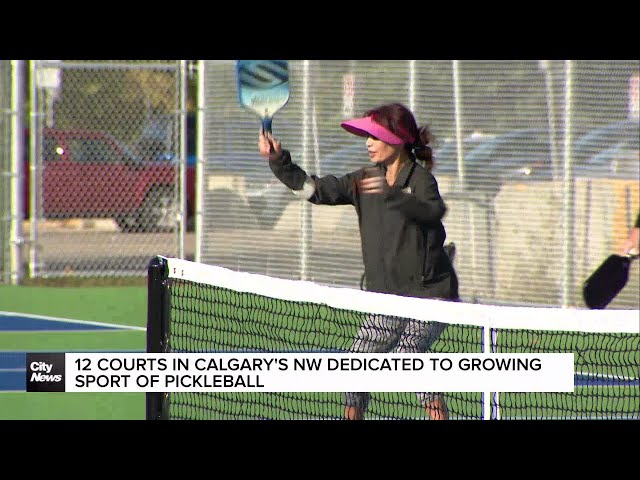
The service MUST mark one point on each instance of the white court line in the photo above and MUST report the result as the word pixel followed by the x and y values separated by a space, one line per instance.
pixel 70 320
pixel 606 375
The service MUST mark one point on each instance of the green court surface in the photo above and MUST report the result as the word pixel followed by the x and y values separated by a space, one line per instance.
pixel 71 406
pixel 114 305
pixel 121 305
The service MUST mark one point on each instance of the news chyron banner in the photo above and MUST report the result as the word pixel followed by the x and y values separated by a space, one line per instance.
pixel 299 372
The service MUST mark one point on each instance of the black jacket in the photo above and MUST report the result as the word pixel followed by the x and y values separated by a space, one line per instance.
pixel 401 230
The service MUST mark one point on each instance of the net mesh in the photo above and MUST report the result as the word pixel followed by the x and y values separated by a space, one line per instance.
pixel 212 309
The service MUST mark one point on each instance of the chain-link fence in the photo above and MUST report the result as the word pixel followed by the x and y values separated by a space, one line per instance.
pixel 107 187
pixel 537 161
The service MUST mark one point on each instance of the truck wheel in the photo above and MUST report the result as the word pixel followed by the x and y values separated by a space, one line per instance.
pixel 128 222
pixel 159 211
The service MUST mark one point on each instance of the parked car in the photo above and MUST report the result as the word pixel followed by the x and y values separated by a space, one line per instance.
pixel 351 156
pixel 526 154
pixel 446 155
pixel 157 139
pixel 622 161
pixel 501 158
pixel 89 174
pixel 605 137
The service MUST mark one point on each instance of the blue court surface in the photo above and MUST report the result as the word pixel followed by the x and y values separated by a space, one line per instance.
pixel 22 322
pixel 12 371
pixel 13 364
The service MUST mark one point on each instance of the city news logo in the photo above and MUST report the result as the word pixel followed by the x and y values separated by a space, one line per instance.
pixel 45 372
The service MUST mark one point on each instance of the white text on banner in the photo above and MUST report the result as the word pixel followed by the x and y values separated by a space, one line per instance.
pixel 318 372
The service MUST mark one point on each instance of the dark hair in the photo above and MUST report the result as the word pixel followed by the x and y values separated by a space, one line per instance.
pixel 398 119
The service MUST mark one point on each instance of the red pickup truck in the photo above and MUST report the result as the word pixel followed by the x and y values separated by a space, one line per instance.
pixel 89 174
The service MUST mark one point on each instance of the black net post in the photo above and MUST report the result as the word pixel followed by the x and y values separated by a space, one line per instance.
pixel 157 327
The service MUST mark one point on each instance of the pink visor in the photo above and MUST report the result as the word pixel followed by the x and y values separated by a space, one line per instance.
pixel 363 127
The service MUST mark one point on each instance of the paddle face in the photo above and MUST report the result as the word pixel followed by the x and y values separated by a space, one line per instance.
pixel 606 281
pixel 263 87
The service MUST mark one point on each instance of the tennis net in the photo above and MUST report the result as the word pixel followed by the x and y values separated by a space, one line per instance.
pixel 198 308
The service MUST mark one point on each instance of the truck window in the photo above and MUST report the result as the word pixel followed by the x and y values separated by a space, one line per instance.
pixel 92 150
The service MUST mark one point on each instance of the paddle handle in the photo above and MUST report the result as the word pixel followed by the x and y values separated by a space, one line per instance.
pixel 266 125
